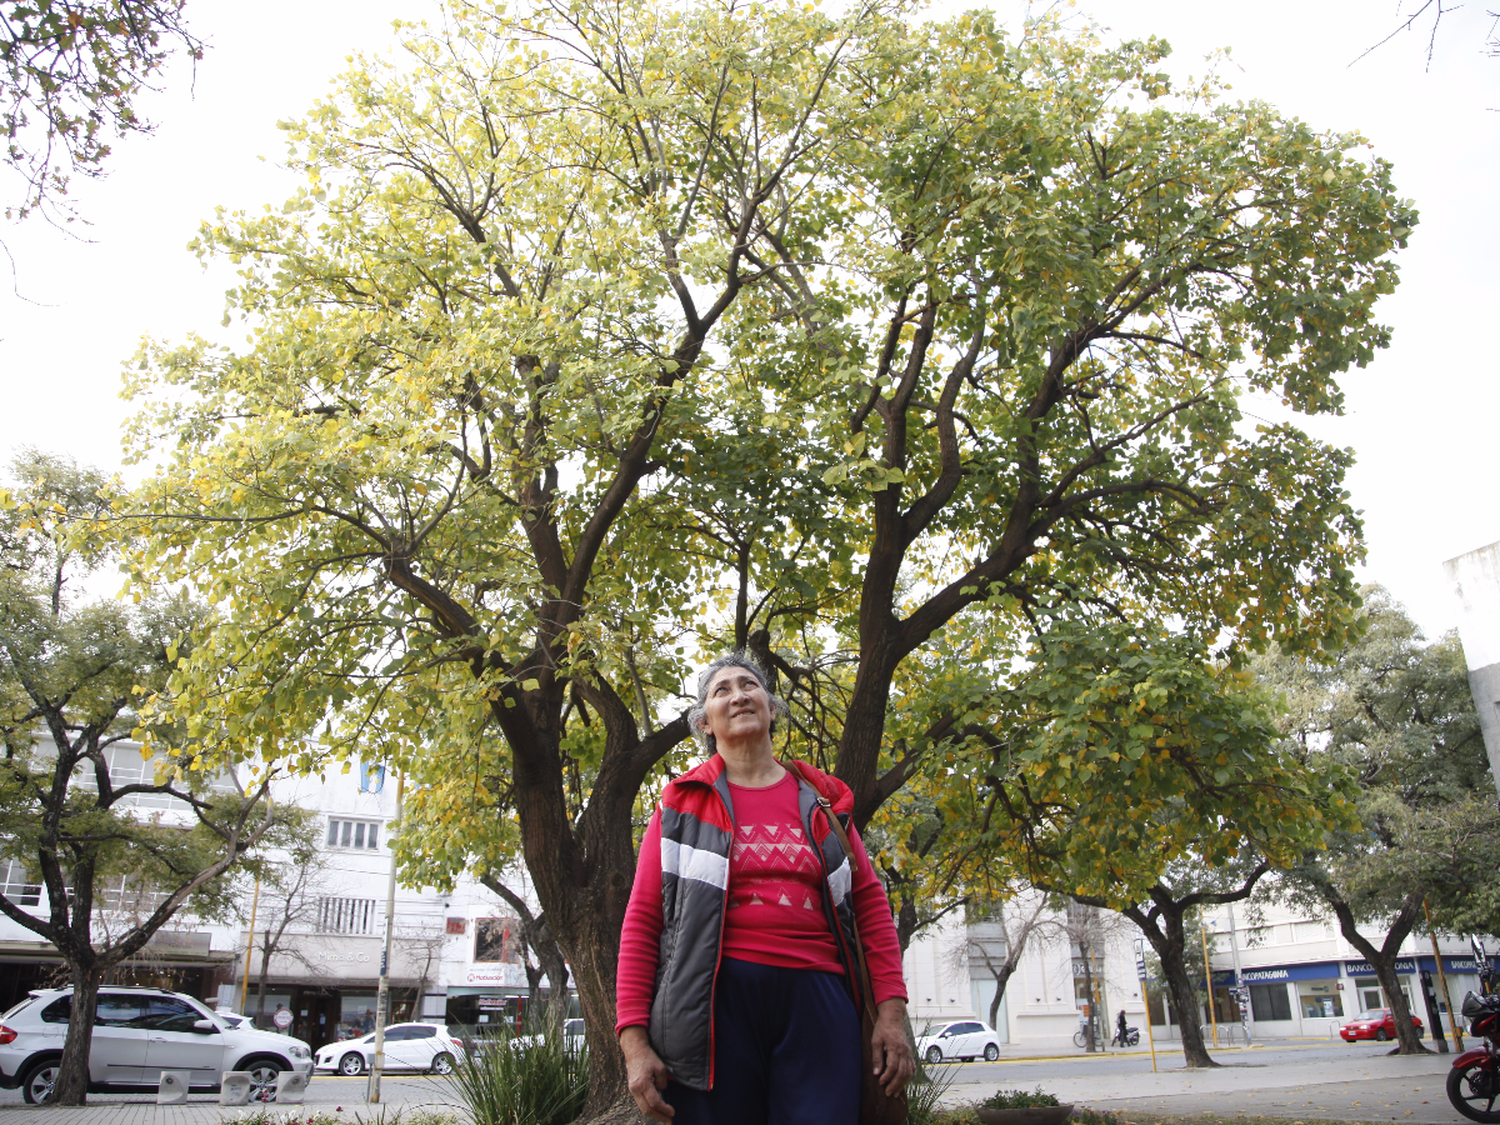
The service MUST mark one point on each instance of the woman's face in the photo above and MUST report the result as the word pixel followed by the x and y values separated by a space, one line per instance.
pixel 737 707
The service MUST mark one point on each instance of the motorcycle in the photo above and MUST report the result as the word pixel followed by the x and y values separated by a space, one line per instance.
pixel 1474 1081
pixel 1132 1038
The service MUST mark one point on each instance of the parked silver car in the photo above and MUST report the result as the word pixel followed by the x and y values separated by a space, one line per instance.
pixel 138 1033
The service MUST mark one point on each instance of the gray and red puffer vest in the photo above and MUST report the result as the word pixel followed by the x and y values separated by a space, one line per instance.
pixel 697 830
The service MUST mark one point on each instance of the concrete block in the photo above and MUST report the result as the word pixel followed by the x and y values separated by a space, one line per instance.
pixel 172 1089
pixel 235 1088
pixel 291 1088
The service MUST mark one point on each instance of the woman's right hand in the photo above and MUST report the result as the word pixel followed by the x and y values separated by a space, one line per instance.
pixel 646 1074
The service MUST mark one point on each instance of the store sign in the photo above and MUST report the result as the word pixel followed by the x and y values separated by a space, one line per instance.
pixel 1318 970
pixel 458 925
pixel 1365 969
pixel 324 955
pixel 1464 964
pixel 508 976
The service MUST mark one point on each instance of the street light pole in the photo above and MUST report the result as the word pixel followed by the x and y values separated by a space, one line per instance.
pixel 383 994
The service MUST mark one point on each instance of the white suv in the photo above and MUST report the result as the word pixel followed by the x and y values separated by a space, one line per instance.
pixel 138 1033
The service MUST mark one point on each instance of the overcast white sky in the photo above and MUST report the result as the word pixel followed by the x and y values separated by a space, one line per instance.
pixel 1420 418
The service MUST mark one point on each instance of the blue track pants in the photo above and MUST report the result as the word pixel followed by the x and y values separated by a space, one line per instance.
pixel 786 1051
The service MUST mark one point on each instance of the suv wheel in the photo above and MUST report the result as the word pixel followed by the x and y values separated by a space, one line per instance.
pixel 263 1073
pixel 38 1081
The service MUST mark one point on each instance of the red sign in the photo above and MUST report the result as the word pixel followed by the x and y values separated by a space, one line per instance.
pixel 458 925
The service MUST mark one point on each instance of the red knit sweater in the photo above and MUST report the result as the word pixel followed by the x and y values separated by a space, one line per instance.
pixel 775 910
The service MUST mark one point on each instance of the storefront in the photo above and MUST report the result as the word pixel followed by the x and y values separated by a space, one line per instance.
pixel 1284 998
pixel 182 962
pixel 491 996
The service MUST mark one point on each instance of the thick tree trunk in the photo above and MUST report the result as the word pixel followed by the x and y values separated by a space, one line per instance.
pixel 72 1086
pixel 1382 959
pixel 583 872
pixel 1170 945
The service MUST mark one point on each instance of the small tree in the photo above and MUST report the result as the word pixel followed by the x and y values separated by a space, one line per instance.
pixel 999 933
pixel 71 781
pixel 1398 715
pixel 288 895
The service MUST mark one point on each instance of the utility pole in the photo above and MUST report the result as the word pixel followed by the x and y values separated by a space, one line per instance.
pixel 1208 981
pixel 1240 990
pixel 383 994
pixel 1437 955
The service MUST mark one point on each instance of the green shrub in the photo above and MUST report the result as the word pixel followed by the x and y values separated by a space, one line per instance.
pixel 381 1115
pixel 923 1093
pixel 529 1080
pixel 1018 1099
pixel 1083 1115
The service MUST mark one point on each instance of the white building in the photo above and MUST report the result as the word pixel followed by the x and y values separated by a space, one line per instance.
pixel 1303 978
pixel 454 955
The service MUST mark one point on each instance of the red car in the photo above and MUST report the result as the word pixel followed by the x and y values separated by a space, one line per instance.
pixel 1378 1024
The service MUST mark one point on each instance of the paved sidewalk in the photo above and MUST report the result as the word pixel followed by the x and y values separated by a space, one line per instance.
pixel 1379 1087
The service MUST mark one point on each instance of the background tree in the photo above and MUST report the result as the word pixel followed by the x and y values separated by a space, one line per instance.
pixel 1132 772
pixel 287 894
pixel 900 328
pixel 71 75
pixel 1399 716
pixel 71 670
pixel 997 934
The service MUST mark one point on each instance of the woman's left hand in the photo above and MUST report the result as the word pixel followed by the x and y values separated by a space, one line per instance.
pixel 891 1049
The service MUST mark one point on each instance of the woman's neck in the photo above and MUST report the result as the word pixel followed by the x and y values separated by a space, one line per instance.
pixel 751 765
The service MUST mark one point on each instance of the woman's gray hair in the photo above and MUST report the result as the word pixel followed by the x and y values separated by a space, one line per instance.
pixel 738 658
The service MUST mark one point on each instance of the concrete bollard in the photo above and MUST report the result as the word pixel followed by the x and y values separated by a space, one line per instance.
pixel 235 1088
pixel 172 1087
pixel 291 1088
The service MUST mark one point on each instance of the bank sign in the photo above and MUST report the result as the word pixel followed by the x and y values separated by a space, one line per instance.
pixel 1318 970
pixel 1407 965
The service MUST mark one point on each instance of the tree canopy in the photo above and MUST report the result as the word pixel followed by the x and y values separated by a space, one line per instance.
pixel 603 336
pixel 1397 715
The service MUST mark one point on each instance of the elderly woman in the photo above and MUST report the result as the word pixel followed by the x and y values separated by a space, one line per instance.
pixel 735 989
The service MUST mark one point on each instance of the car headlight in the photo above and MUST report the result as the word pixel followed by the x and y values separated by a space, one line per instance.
pixel 297 1051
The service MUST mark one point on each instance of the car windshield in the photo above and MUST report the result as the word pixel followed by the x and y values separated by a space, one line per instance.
pixel 1373 1014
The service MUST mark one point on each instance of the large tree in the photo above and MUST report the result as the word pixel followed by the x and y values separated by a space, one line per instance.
pixel 1397 713
pixel 117 847
pixel 592 321
pixel 70 74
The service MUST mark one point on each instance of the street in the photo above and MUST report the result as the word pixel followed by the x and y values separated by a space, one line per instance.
pixel 1306 1079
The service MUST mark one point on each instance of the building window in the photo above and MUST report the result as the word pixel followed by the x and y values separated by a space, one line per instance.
pixel 17 887
pixel 1270 1002
pixel 127 895
pixel 346 915
pixel 353 833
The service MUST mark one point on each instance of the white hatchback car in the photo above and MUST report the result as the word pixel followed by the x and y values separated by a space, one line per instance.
pixel 961 1039
pixel 138 1033
pixel 408 1046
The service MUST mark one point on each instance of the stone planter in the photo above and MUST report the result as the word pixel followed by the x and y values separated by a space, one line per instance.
pixel 1034 1115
